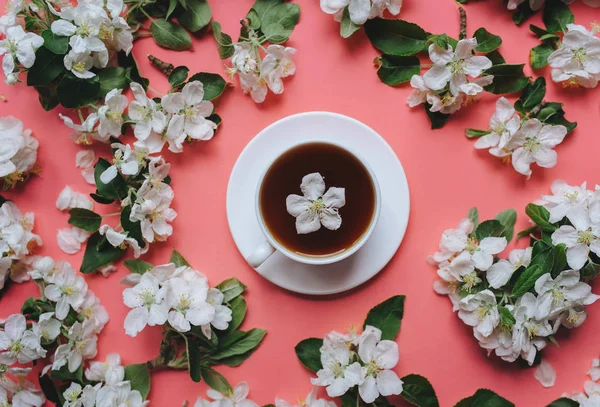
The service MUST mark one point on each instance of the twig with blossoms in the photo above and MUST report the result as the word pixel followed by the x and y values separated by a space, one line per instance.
pixel 460 70
pixel 18 157
pixel 17 244
pixel 200 323
pixel 272 22
pixel 516 305
pixel 60 328
pixel 527 132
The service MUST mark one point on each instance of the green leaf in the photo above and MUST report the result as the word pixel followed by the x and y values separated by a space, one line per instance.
pixel 85 219
pixel 133 228
pixel 133 72
pixel 178 259
pixel 475 133
pixel 47 97
pixel 47 67
pixel 437 119
pixel 538 56
pixel 74 92
pixel 441 40
pixel 564 402
pixel 170 35
pixel 112 78
pixel 178 75
pixel 214 84
pixel 394 70
pixel 231 288
pixel 544 35
pixel 486 42
pixel 507 218
pixel 496 58
pixel 347 27
pixel 139 376
pixel 590 271
pixel 194 353
pixel 484 398
pixel 473 216
pixel 396 37
pixel 49 389
pixel 258 11
pixel 246 343
pixel 196 16
pixel 523 13
pixel 527 280
pixel 65 375
pixel 95 257
pixel 224 43
pixel 172 5
pixel 115 189
pixel 507 78
pixel 137 266
pixel 556 16
pixel 418 391
pixel 279 21
pixel 532 95
pixel 216 381
pixel 387 316
pixel 540 216
pixel 560 259
pixel 238 313
pixel 489 228
pixel 57 44
pixel 506 317
pixel 237 360
pixel 309 353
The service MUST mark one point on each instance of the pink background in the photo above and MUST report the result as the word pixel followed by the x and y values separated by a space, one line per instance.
pixel 446 174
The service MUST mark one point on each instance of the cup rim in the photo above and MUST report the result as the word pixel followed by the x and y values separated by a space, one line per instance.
pixel 326 259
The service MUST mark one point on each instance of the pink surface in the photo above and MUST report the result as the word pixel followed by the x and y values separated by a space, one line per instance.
pixel 446 175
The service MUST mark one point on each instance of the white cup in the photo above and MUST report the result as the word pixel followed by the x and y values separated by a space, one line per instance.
pixel 270 245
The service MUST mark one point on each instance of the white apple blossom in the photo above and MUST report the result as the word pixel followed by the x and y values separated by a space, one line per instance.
pixel 189 114
pixel 69 199
pixel 503 125
pixel 16 237
pixel 529 332
pixel 591 397
pixel 80 63
pixel 47 327
pixel 91 310
pixel 153 209
pixel 82 132
pixel 420 91
pixel 450 67
pixel 187 304
pixel 110 371
pixel 111 115
pixel 27 395
pixel 68 290
pixel 560 293
pixel 11 138
pixel 26 158
pixel 577 60
pixel 18 48
pixel 17 343
pixel 85 159
pixel 338 374
pixel 81 345
pixel 148 302
pixel 500 342
pixel 82 24
pixel 566 201
pixel 76 396
pixel 126 160
pixel 480 311
pixel 119 395
pixel 361 10
pixel 594 371
pixel 534 143
pixel 316 207
pixel 579 239
pixel 70 239
pixel 500 273
pixel 311 400
pixel 237 398
pixel 122 240
pixel 379 357
pixel 148 118
pixel 277 64
pixel 223 313
pixel 453 241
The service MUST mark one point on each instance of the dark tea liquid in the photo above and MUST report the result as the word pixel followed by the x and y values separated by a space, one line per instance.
pixel 340 169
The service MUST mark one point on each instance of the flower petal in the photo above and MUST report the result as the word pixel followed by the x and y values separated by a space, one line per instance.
pixel 335 197
pixel 296 204
pixel 545 374
pixel 330 218
pixel 313 186
pixel 307 222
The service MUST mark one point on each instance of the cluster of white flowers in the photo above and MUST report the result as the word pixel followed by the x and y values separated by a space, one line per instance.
pixel 17 242
pixel 94 28
pixel 519 326
pixel 179 295
pixel 360 10
pixel 576 62
pixel 257 76
pixel 362 360
pixel 454 79
pixel 18 151
pixel 180 116
pixel 537 4
pixel 237 398
pixel 521 140
pixel 109 387
pixel 591 397
pixel 18 48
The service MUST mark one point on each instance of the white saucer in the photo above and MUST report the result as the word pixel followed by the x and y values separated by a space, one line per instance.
pixel 377 251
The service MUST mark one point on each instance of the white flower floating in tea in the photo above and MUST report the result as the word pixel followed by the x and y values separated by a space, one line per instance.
pixel 315 208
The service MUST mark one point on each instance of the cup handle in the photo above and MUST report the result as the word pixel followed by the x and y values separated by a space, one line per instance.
pixel 261 254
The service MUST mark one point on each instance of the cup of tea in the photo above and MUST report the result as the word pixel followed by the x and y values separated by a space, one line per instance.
pixel 339 168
